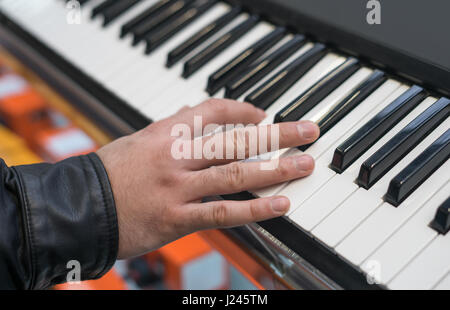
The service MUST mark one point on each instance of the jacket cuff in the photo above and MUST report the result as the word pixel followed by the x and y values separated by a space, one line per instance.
pixel 70 220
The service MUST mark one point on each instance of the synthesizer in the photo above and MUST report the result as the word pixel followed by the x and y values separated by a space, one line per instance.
pixel 376 211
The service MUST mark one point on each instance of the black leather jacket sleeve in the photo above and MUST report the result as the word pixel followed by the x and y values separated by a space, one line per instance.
pixel 51 214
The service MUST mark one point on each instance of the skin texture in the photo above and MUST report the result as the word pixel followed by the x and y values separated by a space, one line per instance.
pixel 158 198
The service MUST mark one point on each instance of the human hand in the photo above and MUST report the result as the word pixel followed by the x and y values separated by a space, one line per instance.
pixel 158 197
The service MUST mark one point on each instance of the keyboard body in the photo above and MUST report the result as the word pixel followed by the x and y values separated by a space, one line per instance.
pixel 407 51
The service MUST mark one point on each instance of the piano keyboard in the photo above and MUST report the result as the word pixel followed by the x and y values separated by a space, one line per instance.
pixel 379 195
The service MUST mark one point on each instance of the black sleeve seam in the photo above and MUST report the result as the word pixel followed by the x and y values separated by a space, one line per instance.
pixel 26 214
pixel 111 246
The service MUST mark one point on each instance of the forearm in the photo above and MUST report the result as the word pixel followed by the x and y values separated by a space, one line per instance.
pixel 53 214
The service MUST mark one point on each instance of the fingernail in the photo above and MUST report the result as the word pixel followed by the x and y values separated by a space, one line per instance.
pixel 280 205
pixel 307 130
pixel 304 163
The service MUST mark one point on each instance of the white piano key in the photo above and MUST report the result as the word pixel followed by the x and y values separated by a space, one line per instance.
pixel 375 229
pixel 151 78
pixel 108 53
pixel 157 64
pixel 294 56
pixel 201 96
pixel 444 285
pixel 171 99
pixel 25 14
pixel 340 93
pixel 21 8
pixel 111 57
pixel 139 75
pixel 315 209
pixel 321 173
pixel 329 63
pixel 333 60
pixel 300 190
pixel 112 35
pixel 309 214
pixel 323 67
pixel 103 43
pixel 172 75
pixel 332 143
pixel 196 84
pixel 427 269
pixel 411 238
pixel 337 225
pixel 70 40
pixel 81 44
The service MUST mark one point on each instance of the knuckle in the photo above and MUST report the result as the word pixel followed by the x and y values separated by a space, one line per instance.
pixel 207 176
pixel 168 180
pixel 220 215
pixel 240 142
pixel 235 176
pixel 254 210
pixel 284 168
pixel 176 222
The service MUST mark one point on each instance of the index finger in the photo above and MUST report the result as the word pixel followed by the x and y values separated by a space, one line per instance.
pixel 220 112
pixel 243 143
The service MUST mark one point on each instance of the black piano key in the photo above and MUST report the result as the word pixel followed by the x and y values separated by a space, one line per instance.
pixel 377 127
pixel 413 175
pixel 261 68
pixel 161 19
pixel 114 11
pixel 101 7
pixel 265 95
pixel 147 14
pixel 237 65
pixel 402 143
pixel 154 40
pixel 200 37
pixel 203 57
pixel 351 101
pixel 441 221
pixel 316 93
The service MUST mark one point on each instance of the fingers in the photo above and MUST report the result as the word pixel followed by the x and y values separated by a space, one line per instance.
pixel 220 112
pixel 243 143
pixel 223 214
pixel 241 176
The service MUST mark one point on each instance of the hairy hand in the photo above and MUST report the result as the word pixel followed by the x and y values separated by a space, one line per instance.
pixel 158 197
